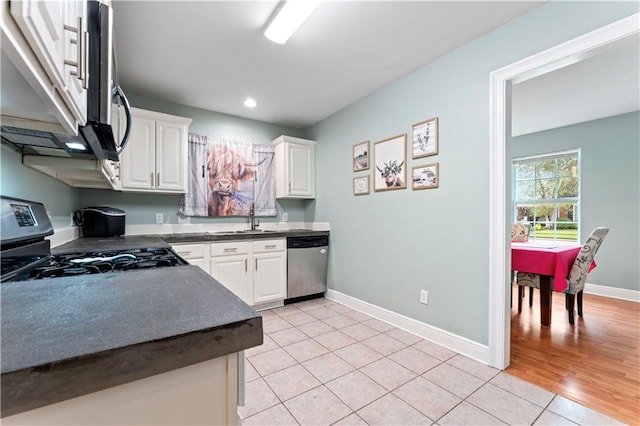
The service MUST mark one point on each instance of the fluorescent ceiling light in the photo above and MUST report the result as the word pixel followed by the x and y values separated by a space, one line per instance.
pixel 250 103
pixel 289 18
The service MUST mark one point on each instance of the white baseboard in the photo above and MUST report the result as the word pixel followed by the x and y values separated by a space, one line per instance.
pixel 451 341
pixel 615 293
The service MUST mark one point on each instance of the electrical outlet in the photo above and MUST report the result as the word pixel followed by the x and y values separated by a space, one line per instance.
pixel 159 218
pixel 285 216
pixel 424 297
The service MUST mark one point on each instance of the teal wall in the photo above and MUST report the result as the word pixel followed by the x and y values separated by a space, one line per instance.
pixel 386 246
pixel 142 208
pixel 610 188
pixel 19 181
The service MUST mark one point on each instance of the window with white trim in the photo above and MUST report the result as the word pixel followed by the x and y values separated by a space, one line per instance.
pixel 546 195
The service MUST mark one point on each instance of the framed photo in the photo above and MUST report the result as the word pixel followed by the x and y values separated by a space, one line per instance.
pixel 361 185
pixel 425 138
pixel 361 156
pixel 390 157
pixel 425 177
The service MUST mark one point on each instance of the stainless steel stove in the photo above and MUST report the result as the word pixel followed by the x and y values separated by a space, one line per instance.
pixel 26 254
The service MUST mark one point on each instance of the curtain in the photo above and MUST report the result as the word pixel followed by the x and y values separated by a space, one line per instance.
pixel 228 177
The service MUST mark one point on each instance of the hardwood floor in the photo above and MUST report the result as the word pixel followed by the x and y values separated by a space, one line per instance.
pixel 595 363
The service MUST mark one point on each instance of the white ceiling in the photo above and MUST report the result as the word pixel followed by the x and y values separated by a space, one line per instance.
pixel 212 55
pixel 604 85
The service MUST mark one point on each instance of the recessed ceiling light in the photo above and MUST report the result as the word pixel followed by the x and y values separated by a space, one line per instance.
pixel 250 103
pixel 289 18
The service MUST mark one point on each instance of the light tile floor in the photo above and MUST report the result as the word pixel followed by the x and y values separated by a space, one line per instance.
pixel 323 363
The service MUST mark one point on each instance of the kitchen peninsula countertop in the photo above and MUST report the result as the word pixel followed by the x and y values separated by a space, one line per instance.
pixel 66 337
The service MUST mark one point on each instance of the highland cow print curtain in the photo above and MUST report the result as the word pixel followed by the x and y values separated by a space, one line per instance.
pixel 228 178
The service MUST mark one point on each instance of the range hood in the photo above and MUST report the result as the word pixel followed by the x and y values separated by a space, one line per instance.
pixel 78 173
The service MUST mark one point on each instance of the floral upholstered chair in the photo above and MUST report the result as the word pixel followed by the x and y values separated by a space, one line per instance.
pixel 520 232
pixel 577 274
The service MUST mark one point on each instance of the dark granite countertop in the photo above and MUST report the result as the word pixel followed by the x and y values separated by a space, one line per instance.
pixel 82 245
pixel 165 240
pixel 65 337
pixel 225 236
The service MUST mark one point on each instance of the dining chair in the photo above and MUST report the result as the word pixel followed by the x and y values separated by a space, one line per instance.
pixel 520 234
pixel 577 274
pixel 580 268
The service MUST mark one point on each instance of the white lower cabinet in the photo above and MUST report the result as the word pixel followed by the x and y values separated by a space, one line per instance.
pixel 255 271
pixel 270 271
pixel 196 254
pixel 230 267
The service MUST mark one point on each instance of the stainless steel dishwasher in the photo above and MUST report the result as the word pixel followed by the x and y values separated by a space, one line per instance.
pixel 307 259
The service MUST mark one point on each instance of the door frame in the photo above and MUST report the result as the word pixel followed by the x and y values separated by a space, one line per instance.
pixel 501 80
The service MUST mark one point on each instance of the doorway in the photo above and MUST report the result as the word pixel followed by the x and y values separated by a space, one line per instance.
pixel 580 48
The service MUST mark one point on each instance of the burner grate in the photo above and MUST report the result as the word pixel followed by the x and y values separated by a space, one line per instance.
pixel 105 261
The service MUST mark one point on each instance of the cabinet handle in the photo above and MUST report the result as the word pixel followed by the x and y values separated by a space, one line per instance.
pixel 230 250
pixel 270 246
pixel 79 42
pixel 85 61
pixel 203 170
pixel 158 180
pixel 184 253
pixel 246 265
pixel 152 180
pixel 256 264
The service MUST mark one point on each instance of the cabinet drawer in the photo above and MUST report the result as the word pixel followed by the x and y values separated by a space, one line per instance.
pixel 233 247
pixel 261 246
pixel 189 251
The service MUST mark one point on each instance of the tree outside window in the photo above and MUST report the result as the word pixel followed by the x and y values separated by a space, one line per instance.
pixel 546 194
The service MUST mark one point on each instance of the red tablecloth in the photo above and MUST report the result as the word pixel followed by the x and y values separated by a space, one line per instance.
pixel 553 261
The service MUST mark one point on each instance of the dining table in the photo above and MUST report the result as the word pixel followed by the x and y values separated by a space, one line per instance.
pixel 551 262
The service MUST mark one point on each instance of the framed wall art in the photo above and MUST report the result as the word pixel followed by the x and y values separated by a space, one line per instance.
pixel 425 177
pixel 389 158
pixel 425 138
pixel 361 156
pixel 361 185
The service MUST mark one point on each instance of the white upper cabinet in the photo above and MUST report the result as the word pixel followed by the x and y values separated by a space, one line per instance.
pixel 46 43
pixel 155 159
pixel 295 167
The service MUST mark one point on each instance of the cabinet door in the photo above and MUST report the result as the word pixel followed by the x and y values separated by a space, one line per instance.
pixel 301 169
pixel 138 158
pixel 269 277
pixel 171 156
pixel 42 23
pixel 233 273
pixel 76 52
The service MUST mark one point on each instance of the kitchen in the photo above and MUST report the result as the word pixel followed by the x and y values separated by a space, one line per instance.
pixel 398 258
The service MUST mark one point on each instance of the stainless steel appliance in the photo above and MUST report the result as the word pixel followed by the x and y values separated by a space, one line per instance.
pixel 26 254
pixel 95 140
pixel 307 259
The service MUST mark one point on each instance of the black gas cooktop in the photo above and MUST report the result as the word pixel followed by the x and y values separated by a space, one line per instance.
pixel 26 254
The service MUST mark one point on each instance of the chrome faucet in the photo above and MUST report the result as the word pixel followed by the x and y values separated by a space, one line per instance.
pixel 252 215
